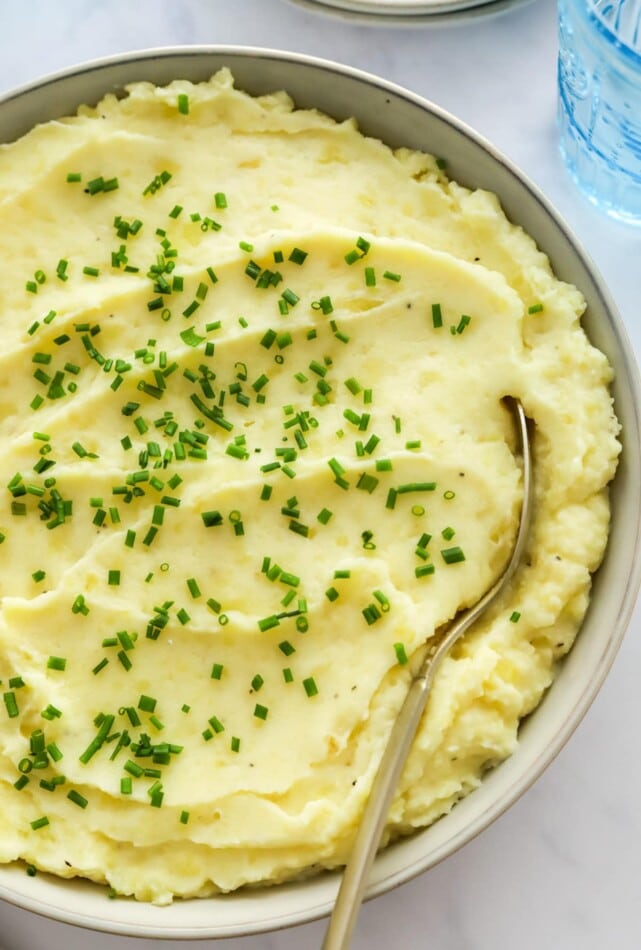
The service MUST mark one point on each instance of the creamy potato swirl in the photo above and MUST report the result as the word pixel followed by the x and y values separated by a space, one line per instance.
pixel 254 452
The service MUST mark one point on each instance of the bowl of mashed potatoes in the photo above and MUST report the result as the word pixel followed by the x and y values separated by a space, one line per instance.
pixel 261 315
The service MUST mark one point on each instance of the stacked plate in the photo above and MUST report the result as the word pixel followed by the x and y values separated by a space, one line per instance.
pixel 387 12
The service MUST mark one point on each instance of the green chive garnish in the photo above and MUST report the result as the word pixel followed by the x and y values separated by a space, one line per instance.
pixel 401 655
pixel 11 705
pixel 310 686
pixel 77 798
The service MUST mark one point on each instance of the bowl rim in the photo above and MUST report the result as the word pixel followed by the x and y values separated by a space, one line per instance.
pixel 385 879
pixel 436 14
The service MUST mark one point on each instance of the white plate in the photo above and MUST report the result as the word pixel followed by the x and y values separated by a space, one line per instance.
pixel 401 7
pixel 390 13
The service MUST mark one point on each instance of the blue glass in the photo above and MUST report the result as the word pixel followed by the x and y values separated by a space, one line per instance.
pixel 599 108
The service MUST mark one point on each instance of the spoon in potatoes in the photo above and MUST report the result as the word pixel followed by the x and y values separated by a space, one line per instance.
pixel 352 887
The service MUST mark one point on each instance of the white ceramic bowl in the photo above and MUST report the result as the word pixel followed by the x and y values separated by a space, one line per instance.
pixel 399 118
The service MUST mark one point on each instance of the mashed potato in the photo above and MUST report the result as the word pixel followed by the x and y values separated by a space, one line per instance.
pixel 254 452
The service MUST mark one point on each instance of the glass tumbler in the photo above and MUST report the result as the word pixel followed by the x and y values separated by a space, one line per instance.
pixel 599 105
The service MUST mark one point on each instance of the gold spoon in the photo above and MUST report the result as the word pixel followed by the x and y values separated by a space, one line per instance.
pixel 399 743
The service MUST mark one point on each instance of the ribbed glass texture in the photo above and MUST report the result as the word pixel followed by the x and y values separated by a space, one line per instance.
pixel 599 106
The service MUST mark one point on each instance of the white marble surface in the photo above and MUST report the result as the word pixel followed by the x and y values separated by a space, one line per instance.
pixel 562 869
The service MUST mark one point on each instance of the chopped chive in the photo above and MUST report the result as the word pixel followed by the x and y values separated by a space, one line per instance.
pixel 423 570
pixel 535 308
pixel 77 798
pixel 190 337
pixel 310 687
pixel 267 623
pixel 401 655
pixel 383 600
pixel 11 705
pixel 515 616
pixel 56 663
pixel 367 482
pixel 336 467
pixel 268 338
pixel 297 256
pixel 371 613
pixel 217 671
pixel 211 518
pixel 54 752
pixel 40 823
pixel 453 555
pixel 79 606
pixel 261 712
pixel 194 589
pixel 216 724
pixel 298 528
pixel 415 487
pixel 257 682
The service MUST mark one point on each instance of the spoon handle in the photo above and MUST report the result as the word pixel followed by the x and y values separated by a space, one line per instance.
pixel 368 838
